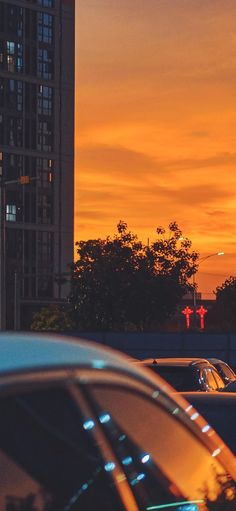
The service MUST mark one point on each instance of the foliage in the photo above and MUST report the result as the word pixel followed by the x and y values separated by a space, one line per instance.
pixel 119 283
pixel 226 500
pixel 223 314
pixel 52 319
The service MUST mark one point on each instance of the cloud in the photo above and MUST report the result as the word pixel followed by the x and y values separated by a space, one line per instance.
pixel 114 159
pixel 200 134
pixel 216 213
pixel 216 160
pixel 120 160
pixel 200 195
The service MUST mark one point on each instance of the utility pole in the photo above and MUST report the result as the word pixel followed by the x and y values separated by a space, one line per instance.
pixel 16 302
pixel 200 261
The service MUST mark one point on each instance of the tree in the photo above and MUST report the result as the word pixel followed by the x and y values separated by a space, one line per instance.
pixel 222 317
pixel 119 283
pixel 52 319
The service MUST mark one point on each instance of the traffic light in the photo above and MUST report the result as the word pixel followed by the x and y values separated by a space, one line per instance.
pixel 24 180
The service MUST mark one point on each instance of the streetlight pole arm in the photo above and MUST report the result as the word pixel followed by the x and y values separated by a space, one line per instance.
pixel 210 255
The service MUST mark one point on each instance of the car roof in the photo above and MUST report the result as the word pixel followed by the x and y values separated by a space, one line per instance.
pixel 177 361
pixel 27 351
pixel 213 360
pixel 219 361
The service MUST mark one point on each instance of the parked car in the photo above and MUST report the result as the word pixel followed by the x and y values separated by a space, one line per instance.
pixel 186 374
pixel 219 409
pixel 81 429
pixel 231 387
pixel 226 372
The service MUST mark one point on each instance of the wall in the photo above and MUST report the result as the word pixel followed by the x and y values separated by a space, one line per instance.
pixel 143 345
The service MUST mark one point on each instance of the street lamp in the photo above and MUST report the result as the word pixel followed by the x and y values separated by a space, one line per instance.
pixel 200 261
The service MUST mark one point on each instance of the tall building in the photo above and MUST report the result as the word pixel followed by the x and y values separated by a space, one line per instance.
pixel 36 154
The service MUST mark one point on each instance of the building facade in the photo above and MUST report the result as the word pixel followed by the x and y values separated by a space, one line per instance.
pixel 36 154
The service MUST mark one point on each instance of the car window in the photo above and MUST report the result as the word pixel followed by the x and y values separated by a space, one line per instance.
pixel 47 460
pixel 225 371
pixel 181 378
pixel 219 382
pixel 209 379
pixel 182 466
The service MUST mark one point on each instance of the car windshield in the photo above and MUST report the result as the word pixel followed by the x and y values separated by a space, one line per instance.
pixel 180 377
pixel 225 371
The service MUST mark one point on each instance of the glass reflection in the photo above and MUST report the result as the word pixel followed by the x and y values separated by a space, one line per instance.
pixel 168 466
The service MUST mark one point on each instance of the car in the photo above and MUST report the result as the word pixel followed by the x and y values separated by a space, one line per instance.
pixel 231 387
pixel 226 372
pixel 81 429
pixel 186 374
pixel 219 409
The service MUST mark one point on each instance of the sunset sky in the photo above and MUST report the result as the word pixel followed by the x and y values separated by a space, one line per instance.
pixel 156 123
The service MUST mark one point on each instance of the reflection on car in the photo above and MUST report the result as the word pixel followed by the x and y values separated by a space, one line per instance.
pixel 83 429
pixel 219 410
pixel 225 371
pixel 186 374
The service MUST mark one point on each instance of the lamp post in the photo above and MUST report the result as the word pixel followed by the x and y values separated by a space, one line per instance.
pixel 200 261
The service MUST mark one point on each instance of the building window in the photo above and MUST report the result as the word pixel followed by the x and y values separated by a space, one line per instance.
pixel 46 3
pixel 45 27
pixel 15 95
pixel 1 163
pixel 2 17
pixel 14 166
pixel 14 131
pixel 2 82
pixel 11 213
pixel 45 137
pixel 45 170
pixel 15 20
pixel 45 64
pixel 1 54
pixel 1 129
pixel 45 208
pixel 14 57
pixel 45 100
pixel 45 247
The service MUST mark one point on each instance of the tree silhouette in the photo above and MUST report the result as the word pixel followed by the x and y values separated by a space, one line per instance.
pixel 119 283
pixel 222 317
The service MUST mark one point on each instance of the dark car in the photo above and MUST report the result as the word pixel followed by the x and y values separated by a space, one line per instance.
pixel 231 387
pixel 220 412
pixel 82 429
pixel 186 374
pixel 226 372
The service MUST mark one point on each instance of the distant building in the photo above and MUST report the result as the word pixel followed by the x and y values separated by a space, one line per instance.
pixel 36 145
pixel 188 297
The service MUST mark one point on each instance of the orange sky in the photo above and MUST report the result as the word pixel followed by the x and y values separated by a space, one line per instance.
pixel 156 123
